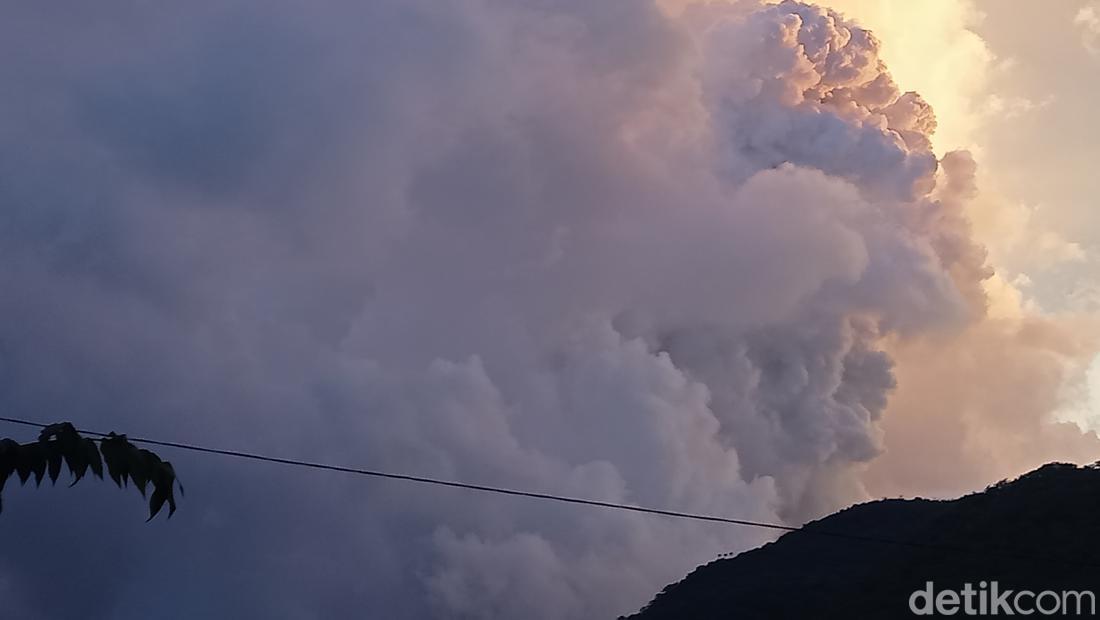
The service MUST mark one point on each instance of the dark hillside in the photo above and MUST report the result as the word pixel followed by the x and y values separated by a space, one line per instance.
pixel 1037 532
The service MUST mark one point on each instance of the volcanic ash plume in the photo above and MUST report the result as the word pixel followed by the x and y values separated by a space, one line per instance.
pixel 576 247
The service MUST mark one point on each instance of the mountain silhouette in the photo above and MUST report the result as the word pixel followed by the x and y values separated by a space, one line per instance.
pixel 1037 532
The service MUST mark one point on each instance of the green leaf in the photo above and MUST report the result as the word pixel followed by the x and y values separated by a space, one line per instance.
pixel 24 463
pixel 54 459
pixel 143 467
pixel 9 456
pixel 77 462
pixel 64 432
pixel 164 482
pixel 8 448
pixel 40 462
pixel 5 471
pixel 61 445
pixel 169 474
pixel 91 455
pixel 115 449
pixel 156 502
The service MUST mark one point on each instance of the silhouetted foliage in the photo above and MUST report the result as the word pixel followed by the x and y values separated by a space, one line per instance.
pixel 1036 532
pixel 61 444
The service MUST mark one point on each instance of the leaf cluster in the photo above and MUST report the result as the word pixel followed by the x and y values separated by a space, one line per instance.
pixel 60 445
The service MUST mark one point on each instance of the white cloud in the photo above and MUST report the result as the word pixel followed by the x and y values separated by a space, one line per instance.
pixel 1088 21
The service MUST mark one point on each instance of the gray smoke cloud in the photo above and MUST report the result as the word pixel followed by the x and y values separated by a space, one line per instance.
pixel 575 247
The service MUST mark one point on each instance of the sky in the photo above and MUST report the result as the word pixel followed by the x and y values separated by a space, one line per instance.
pixel 754 260
pixel 1005 81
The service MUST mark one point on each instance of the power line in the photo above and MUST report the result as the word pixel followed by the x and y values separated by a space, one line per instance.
pixel 564 498
pixel 426 480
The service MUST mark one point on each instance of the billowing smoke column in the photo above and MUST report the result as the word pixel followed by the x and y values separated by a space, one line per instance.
pixel 576 247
